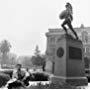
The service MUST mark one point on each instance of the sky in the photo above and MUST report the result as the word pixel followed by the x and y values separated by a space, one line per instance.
pixel 24 22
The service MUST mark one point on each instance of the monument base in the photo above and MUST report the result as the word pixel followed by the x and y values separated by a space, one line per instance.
pixel 75 81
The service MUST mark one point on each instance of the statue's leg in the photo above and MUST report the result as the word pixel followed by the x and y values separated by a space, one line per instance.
pixel 63 25
pixel 70 26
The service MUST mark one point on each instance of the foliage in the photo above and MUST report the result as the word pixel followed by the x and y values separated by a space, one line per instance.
pixel 5 46
pixel 4 49
pixel 8 72
pixel 37 51
pixel 39 77
pixel 3 79
pixel 9 61
pixel 38 59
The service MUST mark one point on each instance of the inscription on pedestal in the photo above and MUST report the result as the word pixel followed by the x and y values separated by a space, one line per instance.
pixel 75 53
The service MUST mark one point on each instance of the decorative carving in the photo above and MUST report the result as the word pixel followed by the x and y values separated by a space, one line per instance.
pixel 60 52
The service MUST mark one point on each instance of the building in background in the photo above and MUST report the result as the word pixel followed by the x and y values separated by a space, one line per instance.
pixel 54 34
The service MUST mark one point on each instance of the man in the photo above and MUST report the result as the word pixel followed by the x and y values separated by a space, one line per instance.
pixel 18 73
pixel 68 17
pixel 17 78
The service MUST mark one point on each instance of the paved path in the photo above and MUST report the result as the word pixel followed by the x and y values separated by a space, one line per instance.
pixel 84 87
pixel 88 87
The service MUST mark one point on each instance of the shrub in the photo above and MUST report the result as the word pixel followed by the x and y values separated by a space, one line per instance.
pixel 3 79
pixel 40 77
pixel 9 72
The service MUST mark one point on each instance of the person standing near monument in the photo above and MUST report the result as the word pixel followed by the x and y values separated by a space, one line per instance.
pixel 67 15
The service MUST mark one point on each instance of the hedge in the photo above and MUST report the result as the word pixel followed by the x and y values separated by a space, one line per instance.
pixel 3 79
pixel 9 72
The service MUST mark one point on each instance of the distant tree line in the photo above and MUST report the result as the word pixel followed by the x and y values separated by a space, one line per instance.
pixel 7 58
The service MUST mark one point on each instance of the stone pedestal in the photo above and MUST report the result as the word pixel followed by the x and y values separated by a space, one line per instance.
pixel 69 61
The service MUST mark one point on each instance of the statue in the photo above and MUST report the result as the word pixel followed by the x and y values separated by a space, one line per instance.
pixel 67 15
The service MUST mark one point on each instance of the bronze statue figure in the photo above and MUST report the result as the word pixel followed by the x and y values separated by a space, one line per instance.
pixel 67 15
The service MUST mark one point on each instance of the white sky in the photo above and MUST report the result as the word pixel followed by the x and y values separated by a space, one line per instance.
pixel 24 22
